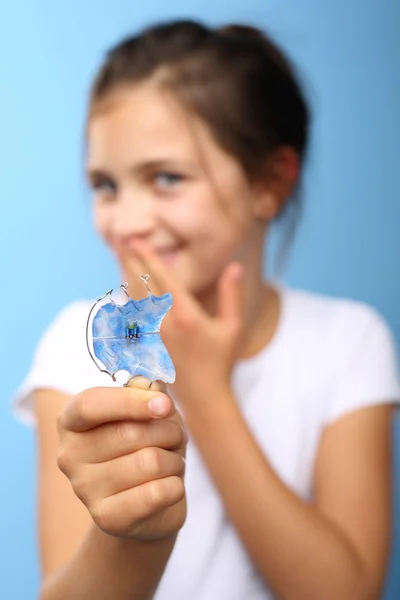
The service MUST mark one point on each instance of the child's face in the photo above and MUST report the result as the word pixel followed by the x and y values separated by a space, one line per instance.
pixel 159 176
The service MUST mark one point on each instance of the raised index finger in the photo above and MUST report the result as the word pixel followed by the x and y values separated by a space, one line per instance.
pixel 162 278
pixel 96 406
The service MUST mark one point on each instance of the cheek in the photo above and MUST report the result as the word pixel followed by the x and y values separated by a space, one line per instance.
pixel 200 216
pixel 102 218
pixel 101 221
pixel 213 236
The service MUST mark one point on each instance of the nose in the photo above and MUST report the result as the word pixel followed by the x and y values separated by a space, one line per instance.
pixel 134 215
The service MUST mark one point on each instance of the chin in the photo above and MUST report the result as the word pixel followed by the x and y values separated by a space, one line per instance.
pixel 201 282
pixel 198 277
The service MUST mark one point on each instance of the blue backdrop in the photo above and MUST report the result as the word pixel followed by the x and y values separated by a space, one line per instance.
pixel 347 244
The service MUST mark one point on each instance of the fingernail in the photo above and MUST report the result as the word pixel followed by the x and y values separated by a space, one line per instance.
pixel 159 406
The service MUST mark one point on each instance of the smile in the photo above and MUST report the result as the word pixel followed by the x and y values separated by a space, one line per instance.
pixel 168 255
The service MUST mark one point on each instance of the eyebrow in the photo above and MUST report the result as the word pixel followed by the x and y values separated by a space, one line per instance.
pixel 145 167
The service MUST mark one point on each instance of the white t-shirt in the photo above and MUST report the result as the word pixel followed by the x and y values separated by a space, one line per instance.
pixel 328 357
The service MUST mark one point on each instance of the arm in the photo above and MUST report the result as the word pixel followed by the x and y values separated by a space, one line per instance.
pixel 79 560
pixel 332 549
pixel 108 568
pixel 336 548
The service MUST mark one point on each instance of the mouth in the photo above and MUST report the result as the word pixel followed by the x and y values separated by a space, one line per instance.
pixel 170 254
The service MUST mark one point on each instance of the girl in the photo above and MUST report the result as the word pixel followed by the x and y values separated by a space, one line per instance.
pixel 196 139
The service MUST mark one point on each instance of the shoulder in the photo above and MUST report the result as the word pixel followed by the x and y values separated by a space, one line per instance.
pixel 345 347
pixel 65 335
pixel 61 360
pixel 63 342
pixel 67 330
pixel 70 318
pixel 330 320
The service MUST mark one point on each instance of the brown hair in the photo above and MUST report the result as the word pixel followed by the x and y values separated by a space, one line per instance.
pixel 234 78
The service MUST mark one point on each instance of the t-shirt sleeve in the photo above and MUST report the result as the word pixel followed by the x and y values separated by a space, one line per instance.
pixel 61 361
pixel 366 369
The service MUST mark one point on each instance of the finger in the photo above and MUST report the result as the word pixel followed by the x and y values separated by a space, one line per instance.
pixel 134 269
pixel 113 440
pixel 96 406
pixel 230 296
pixel 121 513
pixel 131 470
pixel 162 278
pixel 142 383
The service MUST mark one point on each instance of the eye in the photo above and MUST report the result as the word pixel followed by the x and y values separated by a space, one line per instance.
pixel 166 181
pixel 103 187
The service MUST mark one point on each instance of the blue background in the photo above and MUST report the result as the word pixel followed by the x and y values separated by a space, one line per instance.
pixel 348 241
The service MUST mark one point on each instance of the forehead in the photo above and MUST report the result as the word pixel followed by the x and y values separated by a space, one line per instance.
pixel 136 118
pixel 146 122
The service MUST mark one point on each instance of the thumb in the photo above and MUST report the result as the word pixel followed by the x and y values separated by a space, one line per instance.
pixel 160 406
pixel 230 296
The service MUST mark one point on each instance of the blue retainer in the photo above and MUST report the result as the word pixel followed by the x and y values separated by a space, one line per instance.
pixel 127 337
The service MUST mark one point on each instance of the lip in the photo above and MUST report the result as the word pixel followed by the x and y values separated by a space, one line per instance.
pixel 168 254
pixel 166 248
